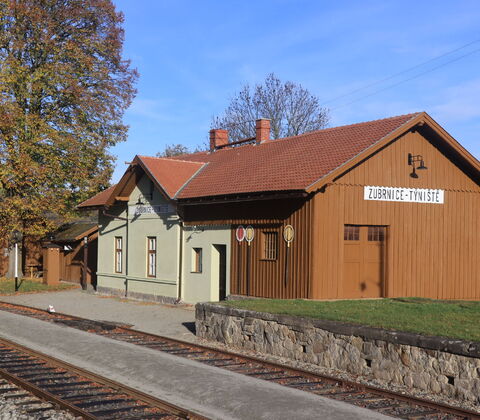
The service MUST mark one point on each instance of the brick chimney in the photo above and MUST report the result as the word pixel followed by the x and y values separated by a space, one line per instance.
pixel 218 137
pixel 262 130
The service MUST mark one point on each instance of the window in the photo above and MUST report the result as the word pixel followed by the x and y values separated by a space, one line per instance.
pixel 376 233
pixel 118 254
pixel 196 260
pixel 351 233
pixel 151 256
pixel 269 245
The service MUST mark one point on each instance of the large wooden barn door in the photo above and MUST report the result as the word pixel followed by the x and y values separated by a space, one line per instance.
pixel 363 261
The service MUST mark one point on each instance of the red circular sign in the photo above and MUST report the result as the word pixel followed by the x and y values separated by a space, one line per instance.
pixel 240 233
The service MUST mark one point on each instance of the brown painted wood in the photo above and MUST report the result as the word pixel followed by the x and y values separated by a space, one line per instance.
pixel 363 263
pixel 432 250
pixel 267 277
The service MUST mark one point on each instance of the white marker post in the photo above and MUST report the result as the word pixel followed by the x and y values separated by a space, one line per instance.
pixel 16 266
pixel 16 238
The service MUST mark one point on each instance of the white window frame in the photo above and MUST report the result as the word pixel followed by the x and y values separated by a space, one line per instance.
pixel 118 254
pixel 152 256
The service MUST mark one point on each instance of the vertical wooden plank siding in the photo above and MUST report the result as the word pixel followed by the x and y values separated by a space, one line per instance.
pixel 267 277
pixel 433 250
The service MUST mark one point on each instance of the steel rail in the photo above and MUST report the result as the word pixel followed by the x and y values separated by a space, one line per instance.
pixel 45 395
pixel 343 382
pixel 445 408
pixel 97 379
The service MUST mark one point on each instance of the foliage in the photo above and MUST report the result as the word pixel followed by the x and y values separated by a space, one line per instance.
pixel 457 319
pixel 172 150
pixel 291 109
pixel 63 90
pixel 7 286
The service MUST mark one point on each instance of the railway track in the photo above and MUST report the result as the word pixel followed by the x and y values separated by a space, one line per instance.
pixel 76 390
pixel 376 399
pixel 17 403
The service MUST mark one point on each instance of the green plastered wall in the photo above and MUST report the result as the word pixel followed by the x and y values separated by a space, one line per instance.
pixel 164 227
pixel 204 286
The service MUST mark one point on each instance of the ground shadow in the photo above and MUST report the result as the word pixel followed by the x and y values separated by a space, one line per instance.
pixel 190 326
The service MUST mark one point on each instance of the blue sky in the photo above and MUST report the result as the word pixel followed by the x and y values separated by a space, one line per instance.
pixel 193 56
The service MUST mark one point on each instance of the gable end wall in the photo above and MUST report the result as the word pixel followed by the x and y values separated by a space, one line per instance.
pixel 432 250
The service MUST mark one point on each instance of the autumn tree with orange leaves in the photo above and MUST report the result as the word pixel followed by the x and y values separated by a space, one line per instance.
pixel 64 87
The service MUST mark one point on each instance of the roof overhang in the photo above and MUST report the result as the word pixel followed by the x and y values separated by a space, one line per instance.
pixel 236 198
pixel 420 121
pixel 130 179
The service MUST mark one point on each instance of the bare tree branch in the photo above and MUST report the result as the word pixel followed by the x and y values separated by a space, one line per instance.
pixel 291 108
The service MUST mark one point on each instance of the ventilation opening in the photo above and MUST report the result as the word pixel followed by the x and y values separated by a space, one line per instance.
pixel 451 380
pixel 369 362
pixel 304 348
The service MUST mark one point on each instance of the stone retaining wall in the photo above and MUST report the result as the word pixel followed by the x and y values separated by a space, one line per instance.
pixel 433 364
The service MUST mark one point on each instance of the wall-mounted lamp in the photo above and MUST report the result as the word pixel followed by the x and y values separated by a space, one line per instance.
pixel 412 160
pixel 139 201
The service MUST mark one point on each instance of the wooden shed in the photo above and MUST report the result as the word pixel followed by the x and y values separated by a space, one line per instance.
pixel 64 254
pixel 385 208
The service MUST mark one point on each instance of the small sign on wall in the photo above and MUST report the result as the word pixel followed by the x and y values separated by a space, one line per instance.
pixel 240 233
pixel 158 209
pixel 405 195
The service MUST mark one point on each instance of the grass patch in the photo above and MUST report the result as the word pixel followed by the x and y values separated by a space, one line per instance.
pixel 7 286
pixel 455 319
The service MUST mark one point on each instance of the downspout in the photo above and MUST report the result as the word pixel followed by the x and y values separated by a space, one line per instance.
pixel 180 264
pixel 104 212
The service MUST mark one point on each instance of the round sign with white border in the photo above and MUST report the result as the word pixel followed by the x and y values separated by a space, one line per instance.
pixel 288 234
pixel 240 233
pixel 249 234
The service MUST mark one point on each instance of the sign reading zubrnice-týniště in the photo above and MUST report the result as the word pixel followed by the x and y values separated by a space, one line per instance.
pixel 405 195
pixel 147 209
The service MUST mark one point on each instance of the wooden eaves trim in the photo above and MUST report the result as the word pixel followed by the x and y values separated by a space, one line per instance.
pixel 86 233
pixel 117 191
pixel 237 198
pixel 454 144
pixel 119 194
pixel 422 118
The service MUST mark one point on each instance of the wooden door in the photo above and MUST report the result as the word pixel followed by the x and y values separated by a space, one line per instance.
pixel 364 250
pixel 222 271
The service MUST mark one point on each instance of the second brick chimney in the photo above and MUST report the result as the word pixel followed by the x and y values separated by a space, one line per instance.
pixel 262 130
pixel 218 137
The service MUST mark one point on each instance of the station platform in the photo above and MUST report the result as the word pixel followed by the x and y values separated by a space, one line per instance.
pixel 209 391
pixel 175 321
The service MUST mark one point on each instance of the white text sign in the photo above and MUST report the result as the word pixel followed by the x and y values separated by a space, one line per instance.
pixel 405 195
pixel 146 209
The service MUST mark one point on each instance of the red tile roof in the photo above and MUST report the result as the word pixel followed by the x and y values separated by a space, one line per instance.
pixel 292 163
pixel 171 174
pixel 288 164
pixel 97 200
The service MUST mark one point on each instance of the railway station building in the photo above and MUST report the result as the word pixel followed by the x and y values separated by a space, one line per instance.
pixel 385 208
